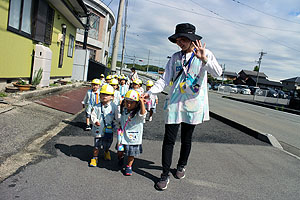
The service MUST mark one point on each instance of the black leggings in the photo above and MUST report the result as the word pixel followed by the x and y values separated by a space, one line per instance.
pixel 171 131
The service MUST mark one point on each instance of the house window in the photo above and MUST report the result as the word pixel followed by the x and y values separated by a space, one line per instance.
pixel 19 20
pixel 62 45
pixel 43 22
pixel 94 26
pixel 32 19
pixel 71 46
pixel 92 54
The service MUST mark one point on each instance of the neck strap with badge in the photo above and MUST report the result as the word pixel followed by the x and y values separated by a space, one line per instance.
pixel 185 64
pixel 108 129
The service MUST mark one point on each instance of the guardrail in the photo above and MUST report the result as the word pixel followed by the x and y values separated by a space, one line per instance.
pixel 262 96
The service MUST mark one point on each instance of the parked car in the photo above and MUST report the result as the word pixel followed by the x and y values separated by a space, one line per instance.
pixel 281 94
pixel 215 86
pixel 233 88
pixel 246 91
pixel 243 89
pixel 208 86
pixel 272 93
pixel 253 89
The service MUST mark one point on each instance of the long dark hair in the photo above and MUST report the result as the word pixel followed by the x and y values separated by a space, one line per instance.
pixel 134 111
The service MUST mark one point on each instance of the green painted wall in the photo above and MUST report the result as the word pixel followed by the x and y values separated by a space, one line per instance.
pixel 67 67
pixel 16 50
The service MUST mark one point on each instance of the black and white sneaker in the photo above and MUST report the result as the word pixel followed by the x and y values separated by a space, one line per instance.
pixel 180 172
pixel 163 182
pixel 88 128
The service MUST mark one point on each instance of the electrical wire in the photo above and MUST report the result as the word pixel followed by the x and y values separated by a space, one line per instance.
pixel 275 41
pixel 219 18
pixel 109 3
pixel 264 12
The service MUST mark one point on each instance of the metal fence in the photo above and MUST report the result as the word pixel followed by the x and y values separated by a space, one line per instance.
pixel 262 96
pixel 224 89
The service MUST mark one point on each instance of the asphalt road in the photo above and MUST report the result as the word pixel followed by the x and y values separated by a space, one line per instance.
pixel 224 164
pixel 282 125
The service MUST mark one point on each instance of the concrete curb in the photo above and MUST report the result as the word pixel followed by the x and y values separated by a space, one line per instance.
pixel 265 137
pixel 44 91
pixel 3 110
pixel 296 112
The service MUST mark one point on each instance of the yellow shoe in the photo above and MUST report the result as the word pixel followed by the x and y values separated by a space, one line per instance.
pixel 107 155
pixel 94 162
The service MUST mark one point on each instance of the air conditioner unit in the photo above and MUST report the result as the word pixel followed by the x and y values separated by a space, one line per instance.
pixel 42 59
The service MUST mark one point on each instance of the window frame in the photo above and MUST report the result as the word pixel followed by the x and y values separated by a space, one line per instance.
pixel 62 46
pixel 71 50
pixel 19 30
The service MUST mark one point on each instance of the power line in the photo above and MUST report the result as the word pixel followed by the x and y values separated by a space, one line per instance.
pixel 259 62
pixel 275 41
pixel 109 3
pixel 265 12
pixel 218 18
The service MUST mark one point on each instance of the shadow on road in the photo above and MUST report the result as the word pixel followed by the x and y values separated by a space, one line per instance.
pixel 79 124
pixel 84 153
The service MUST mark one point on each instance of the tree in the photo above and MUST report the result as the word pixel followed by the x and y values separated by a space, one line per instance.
pixel 256 68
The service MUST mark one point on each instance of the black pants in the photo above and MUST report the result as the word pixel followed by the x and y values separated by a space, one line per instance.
pixel 171 131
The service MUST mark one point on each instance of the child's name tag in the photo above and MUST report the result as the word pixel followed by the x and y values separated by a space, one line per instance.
pixel 133 136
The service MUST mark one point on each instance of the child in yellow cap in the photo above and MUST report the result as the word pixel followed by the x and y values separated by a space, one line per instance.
pixel 90 100
pixel 133 113
pixel 103 116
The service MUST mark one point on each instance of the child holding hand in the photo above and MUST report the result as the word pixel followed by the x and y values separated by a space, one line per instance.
pixel 133 113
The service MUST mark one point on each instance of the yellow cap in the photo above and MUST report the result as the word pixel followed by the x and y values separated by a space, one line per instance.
pixel 132 95
pixel 102 75
pixel 107 89
pixel 137 81
pixel 96 81
pixel 114 82
pixel 108 77
pixel 149 83
pixel 123 77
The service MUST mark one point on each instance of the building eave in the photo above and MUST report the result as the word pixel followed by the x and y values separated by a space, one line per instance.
pixel 67 12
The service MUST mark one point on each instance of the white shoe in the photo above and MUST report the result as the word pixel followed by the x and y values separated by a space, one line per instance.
pixel 150 119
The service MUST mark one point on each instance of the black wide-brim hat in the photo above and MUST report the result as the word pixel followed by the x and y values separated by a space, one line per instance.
pixel 185 30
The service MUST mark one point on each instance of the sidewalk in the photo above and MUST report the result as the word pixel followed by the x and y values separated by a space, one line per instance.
pixel 23 121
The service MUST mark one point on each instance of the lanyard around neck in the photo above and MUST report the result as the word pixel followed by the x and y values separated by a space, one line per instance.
pixel 188 63
pixel 91 99
pixel 103 115
pixel 128 119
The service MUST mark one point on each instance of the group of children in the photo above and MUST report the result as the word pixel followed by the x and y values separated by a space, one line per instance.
pixel 112 106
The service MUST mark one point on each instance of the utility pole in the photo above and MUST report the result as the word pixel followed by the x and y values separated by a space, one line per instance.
pixel 86 30
pixel 259 61
pixel 148 61
pixel 125 29
pixel 117 37
pixel 223 73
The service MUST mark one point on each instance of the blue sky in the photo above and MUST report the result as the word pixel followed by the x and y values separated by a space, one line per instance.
pixel 235 31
